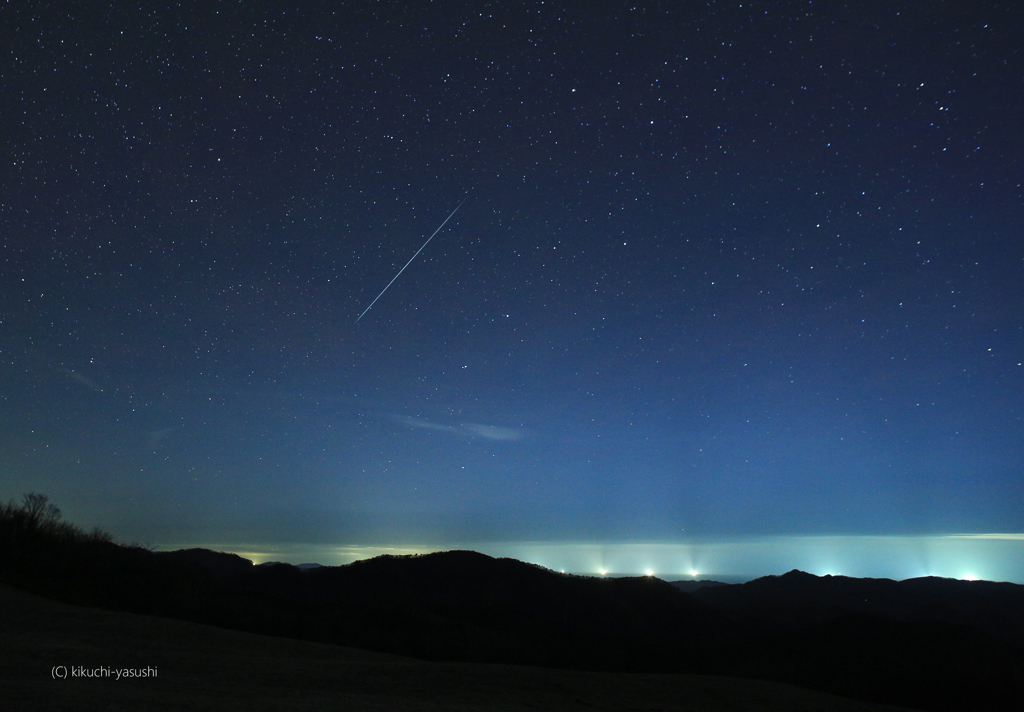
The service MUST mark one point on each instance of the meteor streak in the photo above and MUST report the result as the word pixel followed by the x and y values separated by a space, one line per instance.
pixel 410 260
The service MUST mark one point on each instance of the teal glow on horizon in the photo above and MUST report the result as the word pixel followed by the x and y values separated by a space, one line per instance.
pixel 991 557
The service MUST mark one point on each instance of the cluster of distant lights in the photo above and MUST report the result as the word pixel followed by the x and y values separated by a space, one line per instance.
pixel 965 577
pixel 989 557
pixel 648 572
pixel 696 574
pixel 965 558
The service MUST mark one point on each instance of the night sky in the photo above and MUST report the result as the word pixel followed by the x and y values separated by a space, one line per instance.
pixel 726 277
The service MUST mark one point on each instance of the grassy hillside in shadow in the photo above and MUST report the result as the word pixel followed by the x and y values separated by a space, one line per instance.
pixel 202 667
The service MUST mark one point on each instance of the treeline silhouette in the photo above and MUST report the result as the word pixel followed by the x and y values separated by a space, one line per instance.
pixel 929 644
pixel 37 522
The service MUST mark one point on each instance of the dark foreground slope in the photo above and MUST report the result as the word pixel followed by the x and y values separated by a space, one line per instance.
pixel 938 647
pixel 206 668
pixel 798 599
pixel 462 605
pixel 930 642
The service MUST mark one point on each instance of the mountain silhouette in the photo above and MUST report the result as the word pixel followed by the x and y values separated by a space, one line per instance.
pixel 798 599
pixel 933 644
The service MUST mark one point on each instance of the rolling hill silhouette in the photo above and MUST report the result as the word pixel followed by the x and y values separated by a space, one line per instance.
pixel 933 644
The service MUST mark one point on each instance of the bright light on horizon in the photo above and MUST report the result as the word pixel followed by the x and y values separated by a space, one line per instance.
pixel 993 557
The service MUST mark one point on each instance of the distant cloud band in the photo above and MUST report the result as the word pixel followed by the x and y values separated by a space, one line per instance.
pixel 474 430
pixel 997 536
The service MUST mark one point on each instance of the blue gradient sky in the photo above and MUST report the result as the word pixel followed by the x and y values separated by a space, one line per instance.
pixel 724 272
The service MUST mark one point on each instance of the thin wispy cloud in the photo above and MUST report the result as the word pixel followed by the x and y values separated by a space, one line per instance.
pixel 493 432
pixel 156 436
pixel 471 430
pixel 87 382
pixel 1007 536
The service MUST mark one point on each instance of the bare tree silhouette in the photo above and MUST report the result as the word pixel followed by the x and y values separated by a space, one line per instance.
pixel 39 512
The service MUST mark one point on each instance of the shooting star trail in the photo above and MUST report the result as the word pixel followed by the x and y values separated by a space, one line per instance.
pixel 411 259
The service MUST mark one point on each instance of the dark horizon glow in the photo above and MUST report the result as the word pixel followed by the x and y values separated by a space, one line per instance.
pixel 989 557
pixel 728 274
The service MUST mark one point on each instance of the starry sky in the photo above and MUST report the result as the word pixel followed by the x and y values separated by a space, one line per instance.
pixel 718 273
